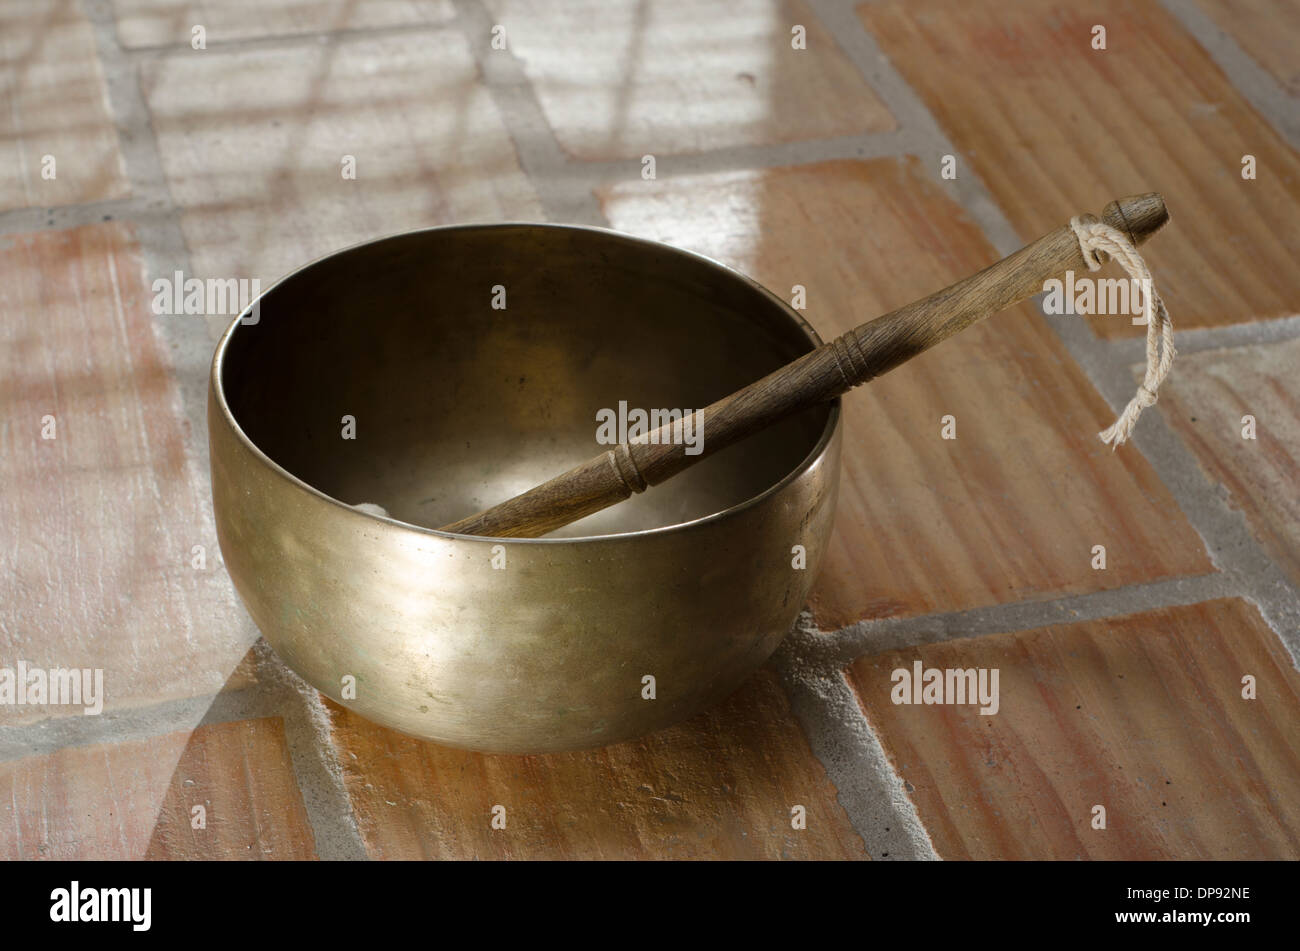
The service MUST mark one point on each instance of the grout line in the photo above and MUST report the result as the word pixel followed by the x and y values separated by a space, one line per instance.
pixel 60 217
pixel 135 723
pixel 871 792
pixel 320 778
pixel 276 41
pixel 127 108
pixel 314 758
pixel 1199 339
pixel 897 142
pixel 1250 79
pixel 162 244
pixel 918 128
pixel 565 197
pixel 836 649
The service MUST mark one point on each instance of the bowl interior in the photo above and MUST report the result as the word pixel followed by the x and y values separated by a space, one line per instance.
pixel 459 405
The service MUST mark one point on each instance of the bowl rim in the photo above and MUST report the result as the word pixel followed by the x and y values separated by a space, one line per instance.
pixel 217 387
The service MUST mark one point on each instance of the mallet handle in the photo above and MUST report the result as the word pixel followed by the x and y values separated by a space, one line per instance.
pixel 860 355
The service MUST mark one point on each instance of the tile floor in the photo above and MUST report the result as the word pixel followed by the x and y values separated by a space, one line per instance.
pixel 1162 687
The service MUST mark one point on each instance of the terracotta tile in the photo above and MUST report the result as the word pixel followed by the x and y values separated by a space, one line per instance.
pixel 1055 128
pixel 1206 400
pixel 98 524
pixel 252 144
pixel 1267 30
pixel 162 22
pixel 1011 508
pixel 136 800
pixel 1142 715
pixel 623 79
pixel 721 785
pixel 53 102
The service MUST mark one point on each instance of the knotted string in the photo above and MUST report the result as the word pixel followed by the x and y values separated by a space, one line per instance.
pixel 1097 236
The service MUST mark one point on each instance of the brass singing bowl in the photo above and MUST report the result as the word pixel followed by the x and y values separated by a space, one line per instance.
pixel 511 645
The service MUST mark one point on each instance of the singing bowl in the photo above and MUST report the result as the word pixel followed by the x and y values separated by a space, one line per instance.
pixel 385 374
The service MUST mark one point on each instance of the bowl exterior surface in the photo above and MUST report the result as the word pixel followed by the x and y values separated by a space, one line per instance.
pixel 511 645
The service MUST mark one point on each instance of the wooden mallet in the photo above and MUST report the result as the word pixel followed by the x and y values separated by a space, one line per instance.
pixel 860 355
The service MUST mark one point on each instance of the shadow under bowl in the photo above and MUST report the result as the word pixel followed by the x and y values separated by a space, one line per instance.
pixel 389 373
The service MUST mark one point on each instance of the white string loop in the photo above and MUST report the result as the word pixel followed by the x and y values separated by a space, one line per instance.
pixel 1097 236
